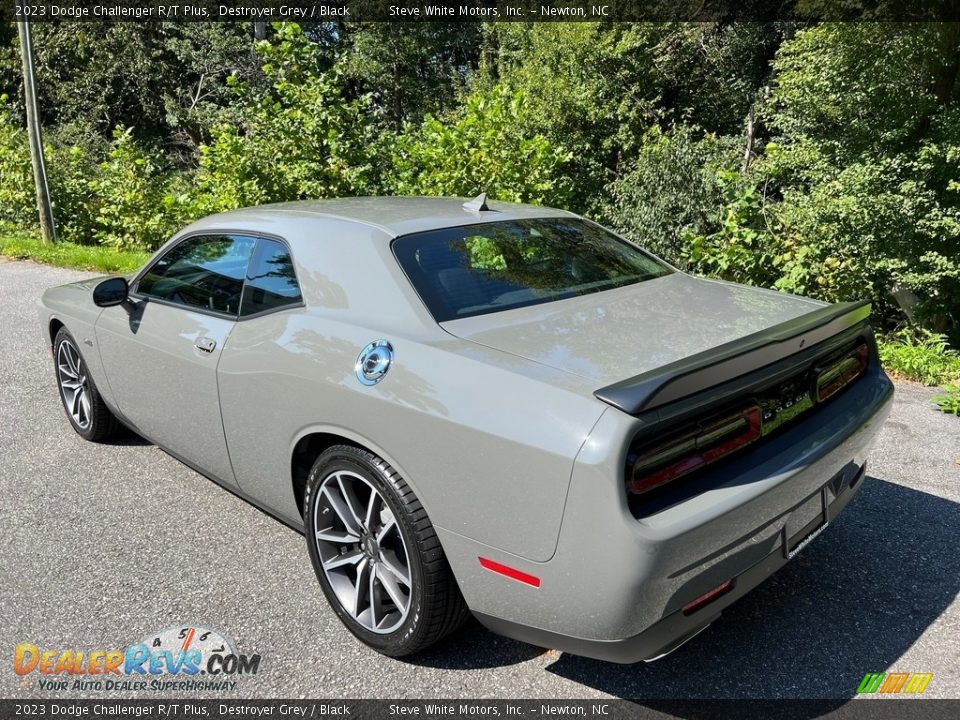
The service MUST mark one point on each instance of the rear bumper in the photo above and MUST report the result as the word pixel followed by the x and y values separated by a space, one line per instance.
pixel 669 633
pixel 617 583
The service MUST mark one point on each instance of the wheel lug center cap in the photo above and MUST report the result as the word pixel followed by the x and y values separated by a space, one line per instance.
pixel 370 547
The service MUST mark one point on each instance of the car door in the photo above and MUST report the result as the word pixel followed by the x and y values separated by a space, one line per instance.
pixel 255 385
pixel 160 350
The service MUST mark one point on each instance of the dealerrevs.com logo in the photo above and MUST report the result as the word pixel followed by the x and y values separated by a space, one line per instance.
pixel 183 658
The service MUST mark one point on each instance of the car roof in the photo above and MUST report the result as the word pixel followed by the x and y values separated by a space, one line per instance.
pixel 395 216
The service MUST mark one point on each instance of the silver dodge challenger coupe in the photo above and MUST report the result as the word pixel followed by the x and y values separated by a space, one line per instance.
pixel 486 408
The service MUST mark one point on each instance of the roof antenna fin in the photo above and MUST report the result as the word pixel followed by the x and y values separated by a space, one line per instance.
pixel 478 204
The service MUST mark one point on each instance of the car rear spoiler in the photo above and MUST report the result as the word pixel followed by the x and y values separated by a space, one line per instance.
pixel 725 362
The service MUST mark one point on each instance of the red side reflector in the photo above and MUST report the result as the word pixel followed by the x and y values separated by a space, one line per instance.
pixel 708 597
pixel 510 572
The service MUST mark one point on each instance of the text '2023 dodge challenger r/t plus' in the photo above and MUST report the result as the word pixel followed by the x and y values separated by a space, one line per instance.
pixel 485 408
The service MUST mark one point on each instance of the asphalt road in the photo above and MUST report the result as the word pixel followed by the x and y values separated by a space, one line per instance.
pixel 102 544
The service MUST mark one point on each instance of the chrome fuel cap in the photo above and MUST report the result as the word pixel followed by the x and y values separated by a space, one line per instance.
pixel 373 362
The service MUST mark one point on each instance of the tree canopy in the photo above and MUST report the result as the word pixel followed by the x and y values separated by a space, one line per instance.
pixel 822 158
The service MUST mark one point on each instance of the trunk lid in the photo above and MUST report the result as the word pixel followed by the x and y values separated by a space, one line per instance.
pixel 608 336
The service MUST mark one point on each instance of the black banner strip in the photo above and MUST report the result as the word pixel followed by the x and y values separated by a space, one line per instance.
pixel 307 11
pixel 900 708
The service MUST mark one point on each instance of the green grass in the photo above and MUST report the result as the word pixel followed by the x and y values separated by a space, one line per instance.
pixel 26 245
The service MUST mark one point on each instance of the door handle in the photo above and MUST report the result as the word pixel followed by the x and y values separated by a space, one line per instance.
pixel 205 344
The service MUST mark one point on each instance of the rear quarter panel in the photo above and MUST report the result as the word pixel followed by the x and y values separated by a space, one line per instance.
pixel 487 449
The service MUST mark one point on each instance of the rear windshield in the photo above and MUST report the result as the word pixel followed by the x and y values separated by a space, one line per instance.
pixel 477 269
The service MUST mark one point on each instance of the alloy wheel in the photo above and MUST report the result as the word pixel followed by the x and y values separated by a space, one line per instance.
pixel 74 384
pixel 362 551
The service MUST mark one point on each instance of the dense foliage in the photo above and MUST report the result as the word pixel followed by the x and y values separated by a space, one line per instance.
pixel 920 355
pixel 820 159
pixel 481 146
pixel 295 135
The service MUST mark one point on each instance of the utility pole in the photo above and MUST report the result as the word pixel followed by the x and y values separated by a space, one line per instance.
pixel 47 230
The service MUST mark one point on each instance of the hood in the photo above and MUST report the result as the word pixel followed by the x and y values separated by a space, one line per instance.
pixel 609 336
pixel 91 283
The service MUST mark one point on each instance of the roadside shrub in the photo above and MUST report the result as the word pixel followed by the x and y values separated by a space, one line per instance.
pixel 131 206
pixel 864 161
pixel 873 225
pixel 298 138
pixel 483 148
pixel 919 355
pixel 672 191
pixel 120 196
pixel 71 169
pixel 744 247
pixel 949 402
pixel 17 197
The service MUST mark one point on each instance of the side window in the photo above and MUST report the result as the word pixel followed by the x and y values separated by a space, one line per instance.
pixel 271 280
pixel 204 272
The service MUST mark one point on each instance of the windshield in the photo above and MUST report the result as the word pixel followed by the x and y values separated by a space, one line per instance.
pixel 477 269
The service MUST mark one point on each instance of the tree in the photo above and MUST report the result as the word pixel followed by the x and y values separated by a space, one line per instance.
pixel 481 148
pixel 293 136
pixel 865 155
pixel 597 88
pixel 409 70
pixel 162 79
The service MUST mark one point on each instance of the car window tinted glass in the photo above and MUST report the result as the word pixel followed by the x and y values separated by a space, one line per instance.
pixel 271 281
pixel 486 268
pixel 203 272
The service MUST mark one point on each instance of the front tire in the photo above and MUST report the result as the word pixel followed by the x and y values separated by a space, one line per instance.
pixel 86 410
pixel 376 554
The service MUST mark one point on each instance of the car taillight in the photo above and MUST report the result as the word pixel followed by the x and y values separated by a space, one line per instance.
pixel 712 440
pixel 835 376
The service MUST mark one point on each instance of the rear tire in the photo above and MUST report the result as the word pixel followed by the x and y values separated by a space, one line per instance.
pixel 86 410
pixel 376 554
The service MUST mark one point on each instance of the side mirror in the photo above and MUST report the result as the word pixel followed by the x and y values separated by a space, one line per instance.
pixel 110 292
